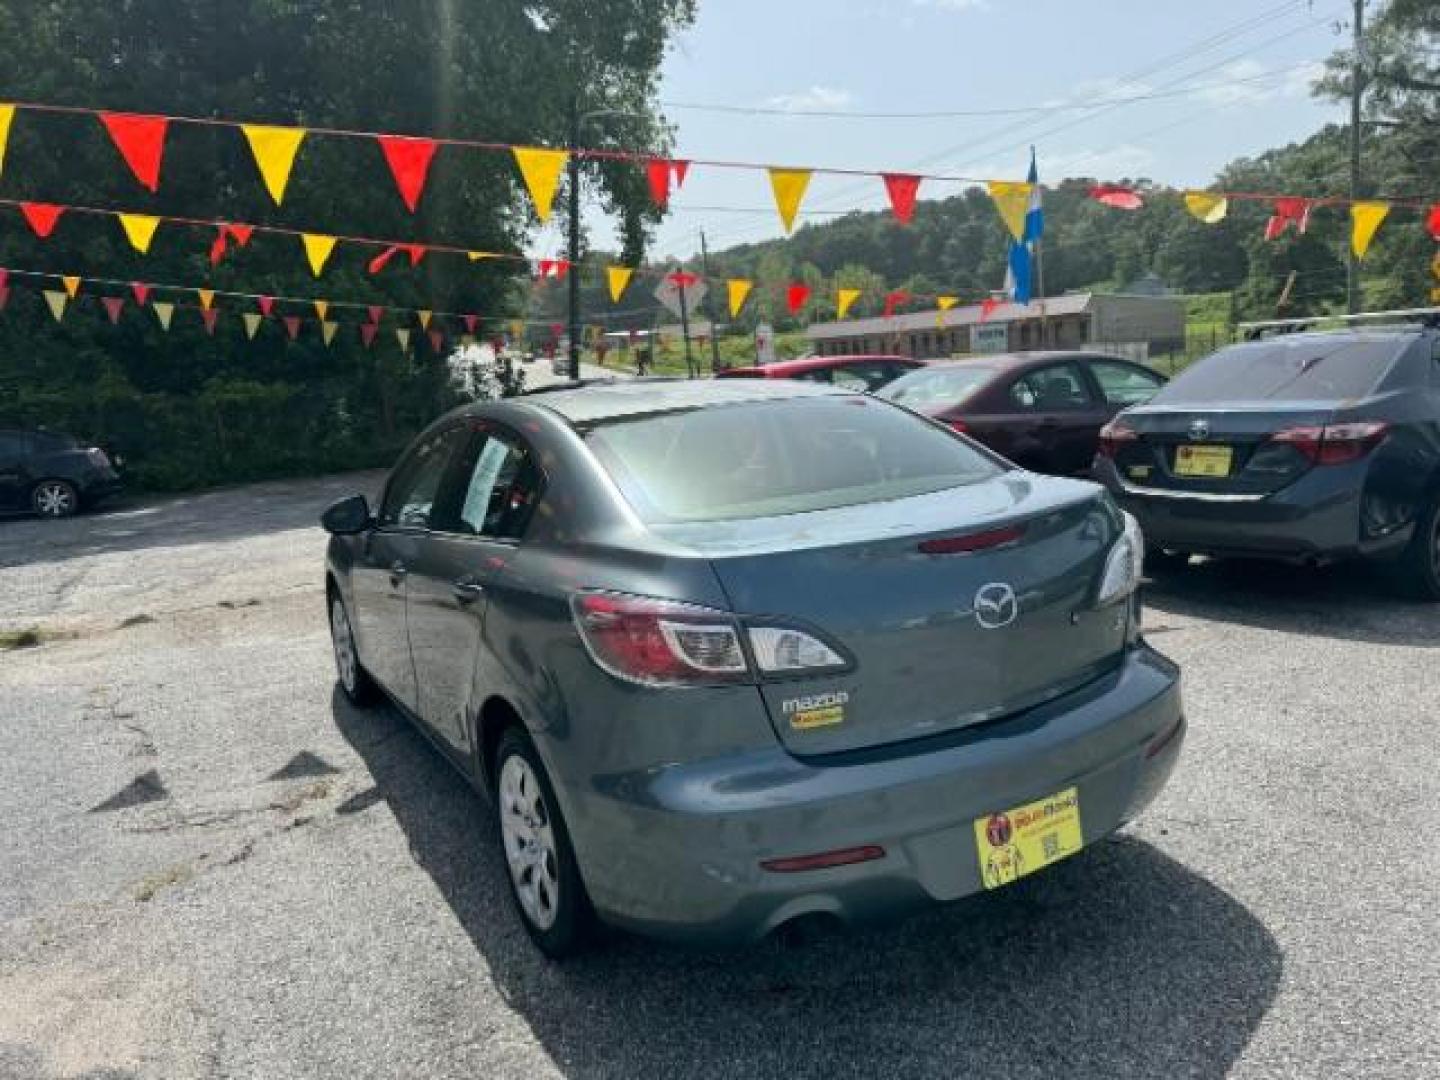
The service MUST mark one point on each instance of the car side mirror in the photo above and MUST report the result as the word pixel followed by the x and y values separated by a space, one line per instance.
pixel 347 517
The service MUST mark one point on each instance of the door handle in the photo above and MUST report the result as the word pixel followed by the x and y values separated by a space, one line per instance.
pixel 467 591
pixel 398 573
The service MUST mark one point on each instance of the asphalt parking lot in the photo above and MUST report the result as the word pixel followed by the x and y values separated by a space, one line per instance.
pixel 211 866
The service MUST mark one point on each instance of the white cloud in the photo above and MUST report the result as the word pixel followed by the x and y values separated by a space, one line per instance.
pixel 953 5
pixel 1104 163
pixel 815 99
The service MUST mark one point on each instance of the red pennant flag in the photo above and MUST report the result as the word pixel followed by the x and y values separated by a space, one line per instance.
pixel 437 341
pixel 409 161
pixel 219 247
pixel 368 332
pixel 1288 211
pixel 657 172
pixel 142 293
pixel 292 325
pixel 42 217
pixel 902 188
pixel 114 305
pixel 552 268
pixel 240 233
pixel 4 296
pixel 267 305
pixel 141 142
pixel 556 329
pixel 682 170
pixel 416 252
pixel 987 307
pixel 795 297
pixel 211 316
pixel 376 311
pixel 894 300
pixel 1117 196
pixel 4 278
pixel 1433 221
pixel 683 279
pixel 471 321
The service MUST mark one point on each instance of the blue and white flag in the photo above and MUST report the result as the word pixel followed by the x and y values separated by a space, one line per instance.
pixel 1019 270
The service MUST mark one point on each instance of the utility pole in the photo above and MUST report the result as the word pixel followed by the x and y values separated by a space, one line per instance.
pixel 710 306
pixel 1357 91
pixel 574 271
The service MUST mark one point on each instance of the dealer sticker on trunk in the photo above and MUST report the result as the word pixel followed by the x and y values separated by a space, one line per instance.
pixel 1017 842
pixel 817 710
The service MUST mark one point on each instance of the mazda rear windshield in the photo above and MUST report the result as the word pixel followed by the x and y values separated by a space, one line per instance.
pixel 1286 369
pixel 760 459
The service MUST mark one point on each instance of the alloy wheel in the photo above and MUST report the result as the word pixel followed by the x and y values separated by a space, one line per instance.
pixel 529 842
pixel 347 665
pixel 54 499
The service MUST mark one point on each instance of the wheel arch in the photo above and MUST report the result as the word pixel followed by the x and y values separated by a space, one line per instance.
pixel 495 716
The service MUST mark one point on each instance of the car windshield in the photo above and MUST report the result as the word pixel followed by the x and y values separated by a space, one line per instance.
pixel 1302 368
pixel 937 387
pixel 761 459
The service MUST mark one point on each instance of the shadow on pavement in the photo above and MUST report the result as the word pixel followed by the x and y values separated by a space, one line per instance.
pixel 133 523
pixel 1118 963
pixel 1348 601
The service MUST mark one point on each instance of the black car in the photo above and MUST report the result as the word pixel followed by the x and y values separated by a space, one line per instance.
pixel 51 474
pixel 1310 447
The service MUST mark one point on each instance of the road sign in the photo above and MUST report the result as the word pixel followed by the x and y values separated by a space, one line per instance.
pixel 668 293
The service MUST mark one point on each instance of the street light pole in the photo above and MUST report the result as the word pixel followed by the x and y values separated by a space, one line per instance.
pixel 574 271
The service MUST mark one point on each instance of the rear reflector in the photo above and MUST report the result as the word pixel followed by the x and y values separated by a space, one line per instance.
pixel 1164 740
pixel 964 545
pixel 825 860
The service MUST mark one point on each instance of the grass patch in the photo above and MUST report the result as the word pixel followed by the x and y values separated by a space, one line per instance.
pixel 152 885
pixel 20 639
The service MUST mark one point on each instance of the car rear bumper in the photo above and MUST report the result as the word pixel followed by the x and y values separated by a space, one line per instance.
pixel 1317 517
pixel 675 852
pixel 99 488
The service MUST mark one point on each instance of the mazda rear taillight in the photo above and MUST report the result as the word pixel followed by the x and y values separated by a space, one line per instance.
pixel 667 643
pixel 1334 444
pixel 1115 435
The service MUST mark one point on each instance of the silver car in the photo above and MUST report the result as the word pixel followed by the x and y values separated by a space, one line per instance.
pixel 725 655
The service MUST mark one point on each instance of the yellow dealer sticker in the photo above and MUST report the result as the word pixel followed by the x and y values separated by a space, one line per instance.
pixel 817 710
pixel 1017 842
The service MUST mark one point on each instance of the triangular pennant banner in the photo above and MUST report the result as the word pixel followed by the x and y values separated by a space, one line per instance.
pixel 368 332
pixel 327 331
pixel 4 296
pixel 416 252
pixel 425 317
pixel 142 293
pixel 1288 211
pixel 57 301
pixel 409 161
pixel 437 342
pixel 789 186
pixel 618 278
pixel 274 149
pixel 210 317
pixel 551 268
pixel 987 307
pixel 683 279
pixel 139 230
pixel 322 309
pixel 403 336
pixel 844 301
pixel 267 305
pixel 893 300
pixel 541 171
pixel 113 305
pixel 292 326
pixel 141 142
pixel 376 312
pixel 658 173
pixel 1012 200
pixel 738 291
pixel 41 217
pixel 164 311
pixel 240 233
pixel 207 298
pixel 902 189
pixel 681 170
pixel 317 251
pixel 1365 219
pixel 471 321
pixel 1203 206
pixel 252 324
pixel 72 285
pixel 1432 222
pixel 1117 196
pixel 795 297
pixel 7 117
pixel 945 303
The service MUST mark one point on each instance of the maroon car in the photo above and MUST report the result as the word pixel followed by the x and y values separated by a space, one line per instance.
pixel 1042 410
pixel 852 372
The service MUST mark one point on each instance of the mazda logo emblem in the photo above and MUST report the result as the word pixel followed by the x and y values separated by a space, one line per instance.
pixel 996 606
pixel 1199 429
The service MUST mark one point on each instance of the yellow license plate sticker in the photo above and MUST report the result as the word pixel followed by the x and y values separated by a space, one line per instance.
pixel 1203 461
pixel 1017 842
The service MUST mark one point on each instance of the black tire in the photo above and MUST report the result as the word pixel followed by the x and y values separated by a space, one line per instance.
pixel 571 919
pixel 354 681
pixel 1159 561
pixel 1416 573
pixel 55 498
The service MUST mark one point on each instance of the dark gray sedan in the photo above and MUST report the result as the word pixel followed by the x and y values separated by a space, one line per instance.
pixel 727 655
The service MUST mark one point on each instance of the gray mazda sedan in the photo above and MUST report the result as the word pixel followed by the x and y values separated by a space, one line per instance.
pixel 726 655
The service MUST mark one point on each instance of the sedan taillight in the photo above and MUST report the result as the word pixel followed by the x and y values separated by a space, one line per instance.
pixel 1115 435
pixel 1334 444
pixel 98 457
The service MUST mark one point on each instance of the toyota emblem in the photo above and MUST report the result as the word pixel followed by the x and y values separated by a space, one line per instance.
pixel 1199 429
pixel 996 606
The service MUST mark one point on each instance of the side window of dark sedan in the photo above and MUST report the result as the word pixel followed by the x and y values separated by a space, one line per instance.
pixel 502 489
pixel 1051 389
pixel 1125 384
pixel 417 481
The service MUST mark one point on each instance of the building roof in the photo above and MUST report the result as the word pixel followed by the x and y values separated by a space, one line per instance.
pixel 1069 304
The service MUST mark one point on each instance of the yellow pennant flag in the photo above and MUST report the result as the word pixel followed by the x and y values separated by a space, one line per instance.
pixel 7 115
pixel 322 309
pixel 517 329
pixel 1211 209
pixel 739 291
pixel 274 149
pixel 139 230
pixel 425 317
pixel 252 324
pixel 476 256
pixel 72 286
pixel 1365 219
pixel 944 303
pixel 317 250
pixel 789 186
pixel 327 330
pixel 164 312
pixel 844 301
pixel 619 279
pixel 1012 199
pixel 57 301
pixel 207 298
pixel 403 336
pixel 541 171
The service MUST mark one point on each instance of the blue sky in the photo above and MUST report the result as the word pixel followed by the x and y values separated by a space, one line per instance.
pixel 1237 72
